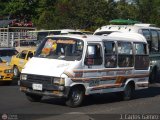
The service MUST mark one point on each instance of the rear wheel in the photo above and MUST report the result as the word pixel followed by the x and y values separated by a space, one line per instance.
pixel 128 92
pixel 33 97
pixel 76 97
pixel 16 71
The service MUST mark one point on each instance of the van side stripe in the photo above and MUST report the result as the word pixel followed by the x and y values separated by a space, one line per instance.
pixel 102 70
pixel 107 86
pixel 118 79
pixel 142 84
pixel 68 74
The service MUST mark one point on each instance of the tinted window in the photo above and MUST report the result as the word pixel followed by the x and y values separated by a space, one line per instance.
pixel 93 55
pixel 154 46
pixel 140 49
pixel 141 57
pixel 30 55
pixel 147 35
pixel 4 53
pixel 125 54
pixel 23 54
pixel 159 34
pixel 110 54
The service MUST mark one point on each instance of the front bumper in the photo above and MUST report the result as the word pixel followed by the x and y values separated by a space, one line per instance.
pixel 6 77
pixel 47 90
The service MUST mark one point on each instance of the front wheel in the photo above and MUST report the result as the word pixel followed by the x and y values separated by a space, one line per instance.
pixel 33 97
pixel 76 97
pixel 16 71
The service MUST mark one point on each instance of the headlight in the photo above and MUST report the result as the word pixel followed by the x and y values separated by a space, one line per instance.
pixel 59 81
pixel 8 71
pixel 62 81
pixel 23 77
pixel 56 81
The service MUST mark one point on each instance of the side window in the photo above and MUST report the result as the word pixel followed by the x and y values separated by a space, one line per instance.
pixel 125 54
pixel 141 56
pixel 110 54
pixel 93 55
pixel 146 34
pixel 159 34
pixel 140 49
pixel 154 45
pixel 159 39
pixel 18 55
pixel 23 55
pixel 30 55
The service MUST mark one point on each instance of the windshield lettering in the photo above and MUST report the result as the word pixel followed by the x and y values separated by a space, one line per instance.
pixel 61 48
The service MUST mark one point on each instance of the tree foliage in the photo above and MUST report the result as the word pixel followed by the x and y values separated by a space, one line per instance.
pixel 79 14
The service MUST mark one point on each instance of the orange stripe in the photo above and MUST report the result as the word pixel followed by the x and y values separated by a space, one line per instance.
pixel 106 86
pixel 68 74
pixel 119 79
pixel 102 70
pixel 85 79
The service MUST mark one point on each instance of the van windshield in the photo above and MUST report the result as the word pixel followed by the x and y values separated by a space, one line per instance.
pixel 61 48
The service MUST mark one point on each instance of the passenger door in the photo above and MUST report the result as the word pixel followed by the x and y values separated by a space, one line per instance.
pixel 93 65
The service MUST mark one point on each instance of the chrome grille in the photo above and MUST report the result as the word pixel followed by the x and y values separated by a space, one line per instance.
pixel 39 79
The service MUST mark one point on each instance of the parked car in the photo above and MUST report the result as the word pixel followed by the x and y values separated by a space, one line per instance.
pixel 6 71
pixel 7 53
pixel 18 61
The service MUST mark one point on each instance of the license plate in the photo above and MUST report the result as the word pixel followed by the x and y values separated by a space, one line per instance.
pixel 37 87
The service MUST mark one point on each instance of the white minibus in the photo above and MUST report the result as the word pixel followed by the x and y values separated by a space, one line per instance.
pixel 73 66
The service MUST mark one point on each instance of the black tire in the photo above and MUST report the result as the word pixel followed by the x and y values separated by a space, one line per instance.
pixel 16 71
pixel 128 92
pixel 33 97
pixel 153 75
pixel 75 97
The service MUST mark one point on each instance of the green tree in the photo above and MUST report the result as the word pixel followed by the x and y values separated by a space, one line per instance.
pixel 21 9
pixel 126 11
pixel 3 5
pixel 149 11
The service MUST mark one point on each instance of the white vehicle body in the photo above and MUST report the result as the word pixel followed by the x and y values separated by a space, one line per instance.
pixel 152 35
pixel 137 28
pixel 90 74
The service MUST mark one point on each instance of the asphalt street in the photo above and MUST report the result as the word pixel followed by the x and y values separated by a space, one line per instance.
pixel 14 104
